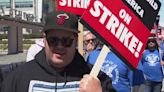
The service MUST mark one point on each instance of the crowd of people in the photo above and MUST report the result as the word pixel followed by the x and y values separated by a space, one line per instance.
pixel 147 77
pixel 55 65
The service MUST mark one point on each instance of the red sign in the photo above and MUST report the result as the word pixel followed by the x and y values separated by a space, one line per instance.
pixel 73 6
pixel 119 27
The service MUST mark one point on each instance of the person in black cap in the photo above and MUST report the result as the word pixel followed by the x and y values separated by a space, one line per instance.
pixel 58 67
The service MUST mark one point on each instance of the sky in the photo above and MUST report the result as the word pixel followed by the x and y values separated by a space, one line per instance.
pixel 161 13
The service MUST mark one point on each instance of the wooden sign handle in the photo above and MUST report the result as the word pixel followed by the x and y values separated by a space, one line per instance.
pixel 97 66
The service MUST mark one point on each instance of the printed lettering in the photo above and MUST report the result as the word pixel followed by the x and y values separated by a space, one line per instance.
pixel 127 18
pixel 75 3
pixel 96 10
pixel 116 27
pixel 136 7
pixel 153 4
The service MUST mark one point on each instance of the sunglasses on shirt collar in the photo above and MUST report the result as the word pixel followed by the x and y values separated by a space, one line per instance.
pixel 54 41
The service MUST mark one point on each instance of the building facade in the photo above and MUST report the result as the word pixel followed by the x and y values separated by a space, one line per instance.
pixel 30 10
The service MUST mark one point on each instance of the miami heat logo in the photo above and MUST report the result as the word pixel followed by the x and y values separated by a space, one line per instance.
pixel 62 18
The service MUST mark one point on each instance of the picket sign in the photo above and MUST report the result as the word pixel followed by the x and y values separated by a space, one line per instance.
pixel 101 58
pixel 124 25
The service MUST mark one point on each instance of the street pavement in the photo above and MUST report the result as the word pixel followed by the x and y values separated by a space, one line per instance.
pixel 12 58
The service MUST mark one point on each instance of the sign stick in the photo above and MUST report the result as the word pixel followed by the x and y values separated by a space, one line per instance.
pixel 97 66
pixel 80 39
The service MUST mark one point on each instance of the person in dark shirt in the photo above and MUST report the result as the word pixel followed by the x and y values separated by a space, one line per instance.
pixel 58 67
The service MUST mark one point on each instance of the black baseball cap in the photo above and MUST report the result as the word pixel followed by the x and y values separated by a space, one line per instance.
pixel 61 20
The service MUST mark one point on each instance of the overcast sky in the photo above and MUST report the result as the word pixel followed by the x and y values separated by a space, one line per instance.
pixel 161 13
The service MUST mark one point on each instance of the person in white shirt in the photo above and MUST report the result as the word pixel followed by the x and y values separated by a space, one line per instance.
pixel 34 49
